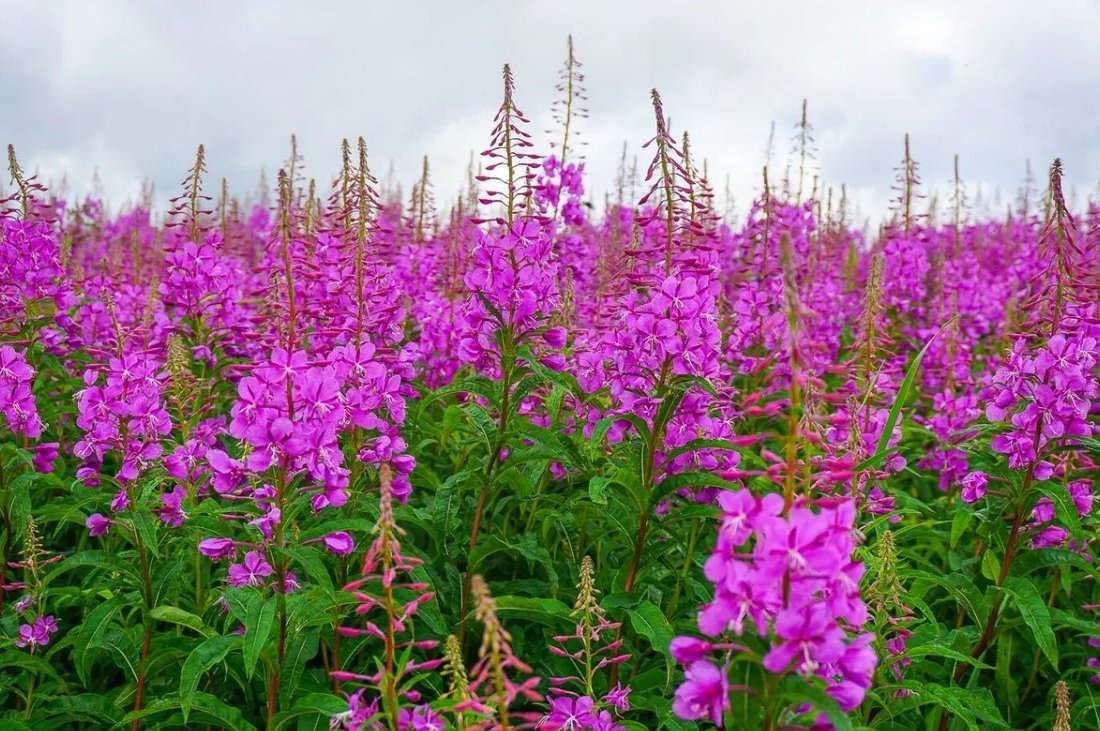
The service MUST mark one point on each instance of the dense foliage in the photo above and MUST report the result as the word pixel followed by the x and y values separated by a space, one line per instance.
pixel 523 463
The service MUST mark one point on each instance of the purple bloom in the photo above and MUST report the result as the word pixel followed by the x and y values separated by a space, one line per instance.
pixel 339 543
pixel 37 633
pixel 171 511
pixel 218 548
pixel 44 456
pixel 97 524
pixel 703 694
pixel 251 572
pixel 619 697
pixel 973 486
pixel 568 713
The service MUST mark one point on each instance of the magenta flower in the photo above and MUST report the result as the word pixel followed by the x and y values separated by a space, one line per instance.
pixel 44 456
pixel 251 572
pixel 339 543
pixel 171 511
pixel 37 633
pixel 218 548
pixel 568 713
pixel 703 694
pixel 97 524
pixel 973 486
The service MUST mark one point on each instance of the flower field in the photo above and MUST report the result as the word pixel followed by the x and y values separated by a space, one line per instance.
pixel 533 456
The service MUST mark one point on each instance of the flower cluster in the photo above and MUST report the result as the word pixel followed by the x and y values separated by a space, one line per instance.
pixel 1043 394
pixel 574 702
pixel 512 293
pixel 122 412
pixel 791 580
pixel 16 399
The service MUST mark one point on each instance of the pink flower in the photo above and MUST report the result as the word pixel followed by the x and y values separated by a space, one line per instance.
pixel 218 548
pixel 339 543
pixel 567 714
pixel 703 694
pixel 251 572
pixel 973 486
pixel 44 456
pixel 97 524
pixel 37 633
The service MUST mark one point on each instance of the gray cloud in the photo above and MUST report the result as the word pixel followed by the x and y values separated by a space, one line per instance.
pixel 129 87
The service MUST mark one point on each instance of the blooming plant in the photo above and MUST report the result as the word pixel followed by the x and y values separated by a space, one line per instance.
pixel 337 456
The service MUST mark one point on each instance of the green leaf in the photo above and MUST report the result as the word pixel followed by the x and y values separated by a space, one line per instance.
pixel 1036 616
pixel 146 528
pixel 35 664
pixel 258 624
pixel 969 704
pixel 221 712
pixel 959 523
pixel 596 489
pixel 84 707
pixel 544 611
pixel 175 615
pixel 697 478
pixel 202 658
pixel 934 649
pixel 300 649
pixel 91 633
pixel 697 444
pixel 649 621
pixel 799 690
pixel 479 385
pixel 311 560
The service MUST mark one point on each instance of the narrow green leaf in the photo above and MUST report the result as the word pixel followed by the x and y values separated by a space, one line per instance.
pixel 1036 616
pixel 209 653
pixel 90 635
pixel 300 649
pixel 257 628
pixel 544 611
pixel 175 615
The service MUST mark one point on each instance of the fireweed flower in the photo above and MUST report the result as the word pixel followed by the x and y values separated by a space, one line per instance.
pixel 97 524
pixel 385 592
pixel 492 688
pixel 572 698
pixel 791 580
pixel 122 413
pixel 37 633
pixel 339 543
pixel 703 694
pixel 251 572
pixel 973 486
pixel 218 548
pixel 16 399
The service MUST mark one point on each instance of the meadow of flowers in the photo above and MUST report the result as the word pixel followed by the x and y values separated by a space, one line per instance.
pixel 335 455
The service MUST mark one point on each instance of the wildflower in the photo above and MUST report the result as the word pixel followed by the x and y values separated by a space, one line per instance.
pixel 218 548
pixel 339 543
pixel 97 524
pixel 973 486
pixel 251 572
pixel 37 633
pixel 703 694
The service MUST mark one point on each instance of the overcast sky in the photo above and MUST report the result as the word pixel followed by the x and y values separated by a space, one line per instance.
pixel 129 87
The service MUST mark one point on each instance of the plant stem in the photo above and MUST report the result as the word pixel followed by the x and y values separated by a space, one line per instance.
pixel 147 623
pixel 507 362
pixel 989 630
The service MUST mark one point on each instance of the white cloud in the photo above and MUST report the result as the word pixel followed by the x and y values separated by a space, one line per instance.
pixel 129 88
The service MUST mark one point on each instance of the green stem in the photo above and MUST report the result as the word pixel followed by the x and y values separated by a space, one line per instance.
pixel 507 363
